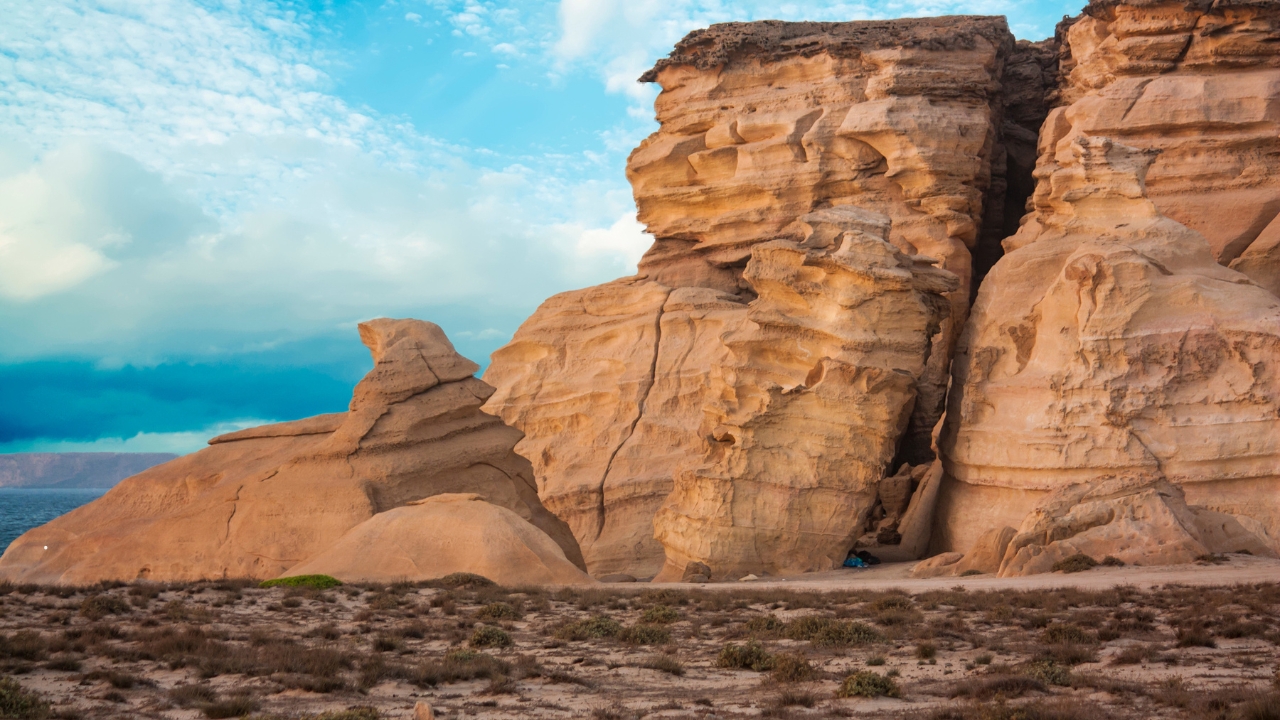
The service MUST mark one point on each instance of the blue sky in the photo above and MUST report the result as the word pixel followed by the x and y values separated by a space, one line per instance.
pixel 199 200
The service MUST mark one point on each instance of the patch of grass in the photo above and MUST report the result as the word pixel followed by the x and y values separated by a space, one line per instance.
pixel 490 636
pixel 751 656
pixel 876 660
pixel 1111 561
pixel 18 703
pixel 643 634
pixel 592 628
pixel 319 582
pixel 665 663
pixel 865 683
pixel 659 615
pixel 926 651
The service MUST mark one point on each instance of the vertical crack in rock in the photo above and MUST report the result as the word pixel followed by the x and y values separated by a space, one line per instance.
pixel 640 405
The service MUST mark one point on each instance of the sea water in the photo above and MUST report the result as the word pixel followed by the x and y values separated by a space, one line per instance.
pixel 24 508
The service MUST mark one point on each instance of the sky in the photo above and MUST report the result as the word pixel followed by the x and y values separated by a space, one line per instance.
pixel 200 200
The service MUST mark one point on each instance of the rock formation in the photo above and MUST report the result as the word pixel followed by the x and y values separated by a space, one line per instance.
pixel 1111 346
pixel 629 390
pixel 260 501
pixel 441 535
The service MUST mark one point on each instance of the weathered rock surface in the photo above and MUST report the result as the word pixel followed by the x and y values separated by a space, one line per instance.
pixel 620 388
pixel 1111 345
pixel 806 409
pixel 444 534
pixel 1199 82
pixel 258 502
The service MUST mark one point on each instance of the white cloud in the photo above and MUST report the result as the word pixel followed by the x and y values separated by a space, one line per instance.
pixel 187 181
pixel 625 240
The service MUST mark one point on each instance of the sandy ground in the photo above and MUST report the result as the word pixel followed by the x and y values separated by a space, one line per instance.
pixel 1231 570
pixel 1189 642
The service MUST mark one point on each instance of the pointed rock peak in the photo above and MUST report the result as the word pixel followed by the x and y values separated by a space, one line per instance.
pixel 400 340
pixel 410 357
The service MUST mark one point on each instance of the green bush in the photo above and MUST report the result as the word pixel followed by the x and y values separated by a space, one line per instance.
pixel 1074 564
pixel 319 582
pixel 490 636
pixel 659 615
pixel 751 656
pixel 597 626
pixel 20 704
pixel 642 634
pixel 865 683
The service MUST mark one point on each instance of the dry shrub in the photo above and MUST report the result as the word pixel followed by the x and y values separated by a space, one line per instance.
pixel 665 663
pixel 592 628
pixel 829 632
pixel 865 683
pixel 18 703
pixel 1074 564
pixel 659 615
pixel 990 686
pixel 490 636
pixel 751 656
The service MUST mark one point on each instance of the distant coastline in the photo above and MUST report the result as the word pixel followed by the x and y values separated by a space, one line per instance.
pixel 74 470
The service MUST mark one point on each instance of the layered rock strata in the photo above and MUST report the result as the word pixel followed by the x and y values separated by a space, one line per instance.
pixel 1110 342
pixel 1111 345
pixel 619 388
pixel 258 502
pixel 1200 83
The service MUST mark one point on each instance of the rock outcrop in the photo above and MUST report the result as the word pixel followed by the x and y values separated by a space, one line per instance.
pixel 259 502
pixel 1111 346
pixel 622 390
pixel 441 535
pixel 1199 82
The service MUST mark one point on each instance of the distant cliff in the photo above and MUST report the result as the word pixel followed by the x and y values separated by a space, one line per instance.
pixel 74 470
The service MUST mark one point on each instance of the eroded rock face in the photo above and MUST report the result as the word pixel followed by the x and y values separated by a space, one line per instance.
pixel 258 502
pixel 805 410
pixel 1198 82
pixel 620 388
pixel 1111 346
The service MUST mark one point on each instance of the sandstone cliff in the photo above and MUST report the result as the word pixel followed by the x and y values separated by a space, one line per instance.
pixel 628 391
pixel 1111 344
pixel 260 501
